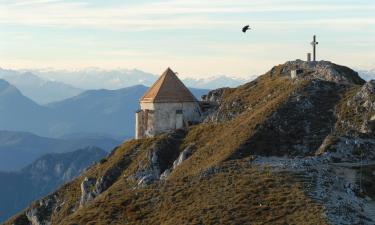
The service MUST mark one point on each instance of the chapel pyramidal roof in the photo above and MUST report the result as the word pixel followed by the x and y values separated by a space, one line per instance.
pixel 168 88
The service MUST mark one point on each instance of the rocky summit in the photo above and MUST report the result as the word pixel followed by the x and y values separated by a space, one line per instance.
pixel 294 146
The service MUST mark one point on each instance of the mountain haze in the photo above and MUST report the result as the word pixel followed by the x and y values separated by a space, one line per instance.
pixel 96 78
pixel 367 74
pixel 104 112
pixel 39 90
pixel 18 149
pixel 214 82
pixel 18 189
pixel 19 112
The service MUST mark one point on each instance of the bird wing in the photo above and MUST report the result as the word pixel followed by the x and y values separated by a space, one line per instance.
pixel 245 28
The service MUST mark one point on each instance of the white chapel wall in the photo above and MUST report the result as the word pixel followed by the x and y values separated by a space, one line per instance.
pixel 165 116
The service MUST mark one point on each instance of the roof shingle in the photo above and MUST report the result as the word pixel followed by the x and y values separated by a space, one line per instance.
pixel 168 88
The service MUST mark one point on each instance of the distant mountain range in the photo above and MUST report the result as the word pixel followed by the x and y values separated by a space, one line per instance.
pixel 214 82
pixel 61 84
pixel 18 149
pixel 104 112
pixel 95 78
pixel 367 74
pixel 38 89
pixel 18 189
pixel 49 85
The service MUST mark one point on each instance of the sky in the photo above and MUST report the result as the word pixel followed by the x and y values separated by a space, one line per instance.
pixel 197 38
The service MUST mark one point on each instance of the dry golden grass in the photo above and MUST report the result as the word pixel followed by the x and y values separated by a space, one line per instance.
pixel 218 142
pixel 346 112
pixel 237 194
pixel 70 193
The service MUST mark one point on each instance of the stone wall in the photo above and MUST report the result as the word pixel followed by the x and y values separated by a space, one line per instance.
pixel 156 118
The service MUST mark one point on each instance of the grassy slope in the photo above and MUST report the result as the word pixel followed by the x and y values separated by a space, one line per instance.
pixel 218 142
pixel 237 193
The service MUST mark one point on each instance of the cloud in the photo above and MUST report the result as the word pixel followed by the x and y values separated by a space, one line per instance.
pixel 18 3
pixel 157 15
pixel 204 27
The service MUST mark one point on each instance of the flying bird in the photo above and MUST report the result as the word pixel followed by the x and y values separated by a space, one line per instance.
pixel 246 28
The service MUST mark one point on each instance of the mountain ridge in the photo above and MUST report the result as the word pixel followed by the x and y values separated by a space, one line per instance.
pixel 97 78
pixel 107 108
pixel 18 149
pixel 18 189
pixel 277 150
pixel 36 88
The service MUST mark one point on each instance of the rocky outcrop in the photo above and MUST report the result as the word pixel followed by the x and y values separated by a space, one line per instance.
pixel 92 187
pixel 299 125
pixel 185 154
pixel 365 100
pixel 334 185
pixel 367 90
pixel 159 159
pixel 211 103
pixel 87 187
pixel 358 115
pixel 354 136
pixel 151 170
pixel 323 70
pixel 221 110
pixel 214 96
pixel 41 215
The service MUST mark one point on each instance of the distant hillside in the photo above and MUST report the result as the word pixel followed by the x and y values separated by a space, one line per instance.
pixel 104 112
pixel 18 189
pixel 18 149
pixel 40 90
pixel 277 150
pixel 21 113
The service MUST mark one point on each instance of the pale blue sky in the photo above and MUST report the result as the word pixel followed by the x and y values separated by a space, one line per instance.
pixel 197 38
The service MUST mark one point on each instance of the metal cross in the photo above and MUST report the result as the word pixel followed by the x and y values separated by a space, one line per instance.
pixel 314 43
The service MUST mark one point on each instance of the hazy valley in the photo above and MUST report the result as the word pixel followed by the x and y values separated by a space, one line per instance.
pixel 18 189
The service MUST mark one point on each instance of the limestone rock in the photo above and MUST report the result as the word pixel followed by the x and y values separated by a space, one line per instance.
pixel 214 96
pixel 162 157
pixel 41 215
pixel 183 156
pixel 218 110
pixel 362 107
pixel 165 174
pixel 147 179
pixel 151 170
pixel 324 70
pixel 87 187
pixel 91 187
pixel 367 90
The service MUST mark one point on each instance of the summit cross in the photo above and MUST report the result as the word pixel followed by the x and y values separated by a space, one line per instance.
pixel 314 43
